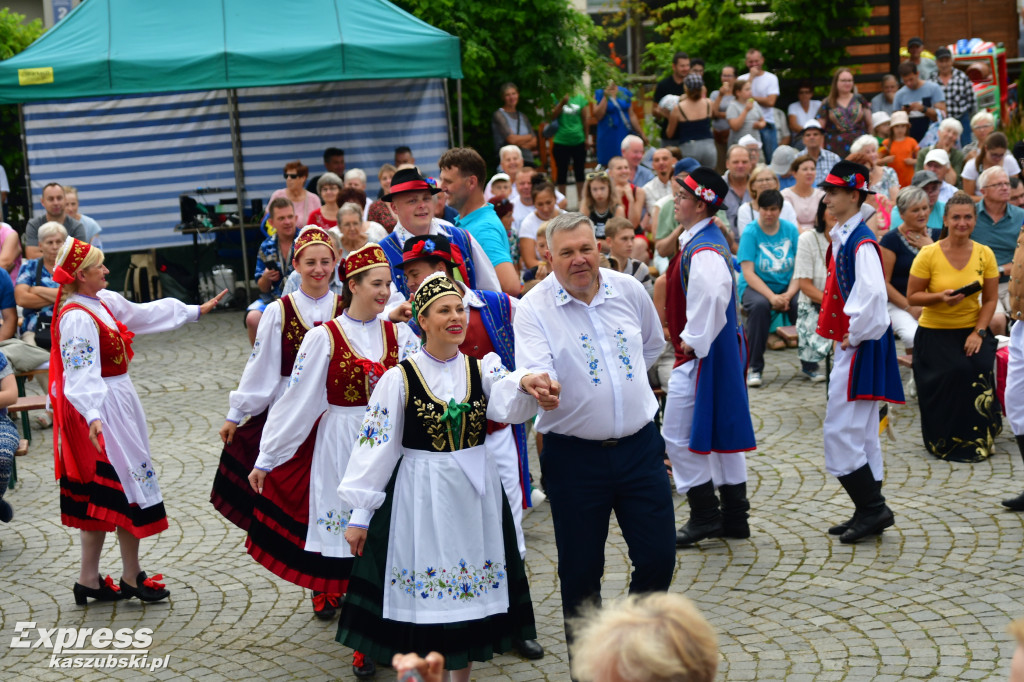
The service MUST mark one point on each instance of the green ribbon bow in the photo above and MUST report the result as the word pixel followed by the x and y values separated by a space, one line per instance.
pixel 453 415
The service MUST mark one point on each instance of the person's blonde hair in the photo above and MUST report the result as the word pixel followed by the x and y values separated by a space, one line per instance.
pixel 658 637
pixel 93 258
pixel 760 169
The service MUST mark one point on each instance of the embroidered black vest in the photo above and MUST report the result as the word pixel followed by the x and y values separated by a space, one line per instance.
pixel 424 428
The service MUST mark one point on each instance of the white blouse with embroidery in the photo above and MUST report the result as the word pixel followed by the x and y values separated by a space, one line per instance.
pixel 261 383
pixel 380 439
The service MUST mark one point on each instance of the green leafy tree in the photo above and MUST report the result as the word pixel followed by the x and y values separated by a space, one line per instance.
pixel 799 38
pixel 15 36
pixel 805 35
pixel 543 46
pixel 717 32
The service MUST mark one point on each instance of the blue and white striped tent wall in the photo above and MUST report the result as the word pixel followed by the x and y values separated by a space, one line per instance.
pixel 131 157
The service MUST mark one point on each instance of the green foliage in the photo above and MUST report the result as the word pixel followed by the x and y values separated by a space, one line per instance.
pixel 543 46
pixel 716 31
pixel 804 34
pixel 801 34
pixel 15 36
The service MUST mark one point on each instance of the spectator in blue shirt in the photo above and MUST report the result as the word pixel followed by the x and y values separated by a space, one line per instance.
pixel 463 176
pixel 998 227
pixel 273 261
pixel 767 255
pixel 921 99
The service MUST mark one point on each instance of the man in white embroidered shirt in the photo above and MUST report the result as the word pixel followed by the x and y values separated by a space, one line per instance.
pixel 596 332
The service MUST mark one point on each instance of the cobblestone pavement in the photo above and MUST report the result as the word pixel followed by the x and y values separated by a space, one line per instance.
pixel 928 601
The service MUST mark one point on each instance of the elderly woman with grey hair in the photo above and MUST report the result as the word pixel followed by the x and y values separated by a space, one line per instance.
pixel 36 292
pixel 881 179
pixel 899 248
pixel 328 186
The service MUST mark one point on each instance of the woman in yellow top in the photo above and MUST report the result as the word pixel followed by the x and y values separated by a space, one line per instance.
pixel 954 351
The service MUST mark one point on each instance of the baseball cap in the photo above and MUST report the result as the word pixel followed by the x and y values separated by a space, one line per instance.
pixel 938 156
pixel 923 178
pixel 812 123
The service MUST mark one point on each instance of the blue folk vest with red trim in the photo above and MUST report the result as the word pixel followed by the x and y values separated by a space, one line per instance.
pixel 874 372
pixel 721 412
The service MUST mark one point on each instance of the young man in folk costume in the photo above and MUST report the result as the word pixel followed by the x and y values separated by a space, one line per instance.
pixel 410 196
pixel 854 316
pixel 489 330
pixel 297 531
pixel 282 328
pixel 707 425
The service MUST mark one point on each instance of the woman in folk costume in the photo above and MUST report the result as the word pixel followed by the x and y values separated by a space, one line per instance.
pixel 437 566
pixel 297 531
pixel 282 328
pixel 101 447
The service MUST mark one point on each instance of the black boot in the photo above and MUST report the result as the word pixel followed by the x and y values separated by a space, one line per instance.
pixel 705 517
pixel 1017 503
pixel 839 529
pixel 734 511
pixel 872 516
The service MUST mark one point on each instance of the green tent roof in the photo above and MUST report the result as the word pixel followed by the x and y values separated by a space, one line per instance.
pixel 120 47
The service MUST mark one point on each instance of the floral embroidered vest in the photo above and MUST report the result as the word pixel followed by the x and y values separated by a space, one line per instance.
pixel 115 350
pixel 424 427
pixel 293 330
pixel 833 322
pixel 351 377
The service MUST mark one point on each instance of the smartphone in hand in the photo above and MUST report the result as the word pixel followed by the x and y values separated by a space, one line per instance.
pixel 969 289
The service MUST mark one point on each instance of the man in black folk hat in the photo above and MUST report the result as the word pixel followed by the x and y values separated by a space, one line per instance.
pixel 412 199
pixel 707 427
pixel 854 315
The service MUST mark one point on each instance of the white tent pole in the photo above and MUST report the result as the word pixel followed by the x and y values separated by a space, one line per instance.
pixel 236 154
pixel 458 94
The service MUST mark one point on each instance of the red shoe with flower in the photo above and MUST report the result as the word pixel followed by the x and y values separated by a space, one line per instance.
pixel 362 666
pixel 325 604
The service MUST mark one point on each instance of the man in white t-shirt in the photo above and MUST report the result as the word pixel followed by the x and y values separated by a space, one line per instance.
pixel 764 88
pixel 661 185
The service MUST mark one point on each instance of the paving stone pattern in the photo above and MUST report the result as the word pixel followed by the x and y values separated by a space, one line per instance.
pixel 928 601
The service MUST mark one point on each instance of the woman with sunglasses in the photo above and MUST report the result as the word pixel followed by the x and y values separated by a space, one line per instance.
pixel 993 153
pixel 303 202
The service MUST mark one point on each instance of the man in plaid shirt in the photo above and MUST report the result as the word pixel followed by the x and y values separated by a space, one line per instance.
pixel 958 90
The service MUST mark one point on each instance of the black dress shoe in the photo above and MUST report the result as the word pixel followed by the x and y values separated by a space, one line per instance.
pixel 6 512
pixel 1014 503
pixel 529 648
pixel 872 515
pixel 872 523
pixel 362 666
pixel 840 528
pixel 146 589
pixel 107 591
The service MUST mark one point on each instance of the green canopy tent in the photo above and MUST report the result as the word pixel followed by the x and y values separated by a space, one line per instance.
pixel 108 48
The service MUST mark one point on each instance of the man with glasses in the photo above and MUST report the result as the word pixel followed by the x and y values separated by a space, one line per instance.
pixel 707 426
pixel 998 226
pixel 764 88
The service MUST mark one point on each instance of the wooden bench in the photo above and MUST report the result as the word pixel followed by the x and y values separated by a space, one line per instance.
pixel 24 405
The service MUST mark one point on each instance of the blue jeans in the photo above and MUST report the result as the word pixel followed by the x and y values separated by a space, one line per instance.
pixel 965 121
pixel 585 482
pixel 770 140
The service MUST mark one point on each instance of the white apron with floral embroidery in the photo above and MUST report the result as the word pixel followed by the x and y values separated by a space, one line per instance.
pixel 114 398
pixel 446 561
pixel 328 517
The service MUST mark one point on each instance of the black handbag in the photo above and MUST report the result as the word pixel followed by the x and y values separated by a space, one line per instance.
pixel 44 322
